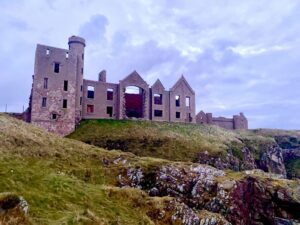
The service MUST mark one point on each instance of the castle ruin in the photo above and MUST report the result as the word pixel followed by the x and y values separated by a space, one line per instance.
pixel 61 97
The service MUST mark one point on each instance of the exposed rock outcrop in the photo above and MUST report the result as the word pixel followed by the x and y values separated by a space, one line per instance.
pixel 248 199
pixel 13 209
pixel 272 161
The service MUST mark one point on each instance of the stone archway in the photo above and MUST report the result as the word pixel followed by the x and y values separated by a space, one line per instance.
pixel 136 109
pixel 134 102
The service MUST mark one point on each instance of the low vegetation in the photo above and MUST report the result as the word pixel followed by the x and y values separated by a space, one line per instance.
pixel 173 141
pixel 66 181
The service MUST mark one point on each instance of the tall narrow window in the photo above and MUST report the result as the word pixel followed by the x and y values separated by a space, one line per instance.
pixel 178 115
pixel 81 88
pixel 65 85
pixel 177 100
pixel 109 111
pixel 82 56
pixel 45 83
pixel 65 103
pixel 47 51
pixel 157 99
pixel 81 70
pixel 56 67
pixel 54 116
pixel 44 102
pixel 90 91
pixel 80 100
pixel 187 101
pixel 67 55
pixel 109 94
pixel 90 108
pixel 189 117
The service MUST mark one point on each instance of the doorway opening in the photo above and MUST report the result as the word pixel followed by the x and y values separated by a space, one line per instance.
pixel 134 102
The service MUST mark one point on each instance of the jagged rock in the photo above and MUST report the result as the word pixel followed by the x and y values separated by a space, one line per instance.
pixel 24 205
pixel 250 199
pixel 281 221
pixel 219 162
pixel 272 161
pixel 264 174
pixel 291 156
pixel 13 209
pixel 269 201
pixel 187 216
pixel 248 162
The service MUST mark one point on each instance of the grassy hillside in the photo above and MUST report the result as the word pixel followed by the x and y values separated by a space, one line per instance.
pixel 66 181
pixel 173 141
pixel 187 142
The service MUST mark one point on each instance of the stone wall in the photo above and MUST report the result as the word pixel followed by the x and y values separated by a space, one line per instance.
pixel 185 112
pixel 60 96
pixel 163 105
pixel 236 122
pixel 100 101
pixel 54 69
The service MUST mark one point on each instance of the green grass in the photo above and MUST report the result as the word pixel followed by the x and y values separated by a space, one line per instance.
pixel 182 142
pixel 293 167
pixel 66 181
pixel 172 141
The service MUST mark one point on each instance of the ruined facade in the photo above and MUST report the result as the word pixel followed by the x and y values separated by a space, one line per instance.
pixel 61 97
pixel 236 122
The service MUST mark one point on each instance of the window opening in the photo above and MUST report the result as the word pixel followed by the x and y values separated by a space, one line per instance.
pixel 44 102
pixel 65 85
pixel 177 100
pixel 90 92
pixel 187 101
pixel 110 94
pixel 158 113
pixel 90 108
pixel 45 83
pixel 56 67
pixel 157 99
pixel 65 103
pixel 109 111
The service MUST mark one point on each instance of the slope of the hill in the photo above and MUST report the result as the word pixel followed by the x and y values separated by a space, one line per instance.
pixel 65 181
pixel 223 149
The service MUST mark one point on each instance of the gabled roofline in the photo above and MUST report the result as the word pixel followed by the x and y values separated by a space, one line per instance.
pixel 158 83
pixel 134 73
pixel 182 79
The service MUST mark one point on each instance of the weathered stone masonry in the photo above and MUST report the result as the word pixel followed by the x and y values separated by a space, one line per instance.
pixel 60 97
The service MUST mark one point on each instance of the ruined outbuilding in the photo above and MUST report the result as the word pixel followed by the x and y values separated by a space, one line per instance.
pixel 236 122
pixel 61 97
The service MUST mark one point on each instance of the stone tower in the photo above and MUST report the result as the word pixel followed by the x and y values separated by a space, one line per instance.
pixel 57 85
pixel 76 47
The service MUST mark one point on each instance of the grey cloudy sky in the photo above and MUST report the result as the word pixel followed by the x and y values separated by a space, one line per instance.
pixel 237 55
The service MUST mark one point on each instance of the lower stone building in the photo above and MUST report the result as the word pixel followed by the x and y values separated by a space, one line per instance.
pixel 61 97
pixel 236 122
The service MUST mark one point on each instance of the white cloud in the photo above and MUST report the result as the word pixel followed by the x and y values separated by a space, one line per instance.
pixel 237 55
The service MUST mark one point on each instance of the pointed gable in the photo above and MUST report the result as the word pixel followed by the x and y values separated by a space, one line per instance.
pixel 158 86
pixel 134 79
pixel 182 81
